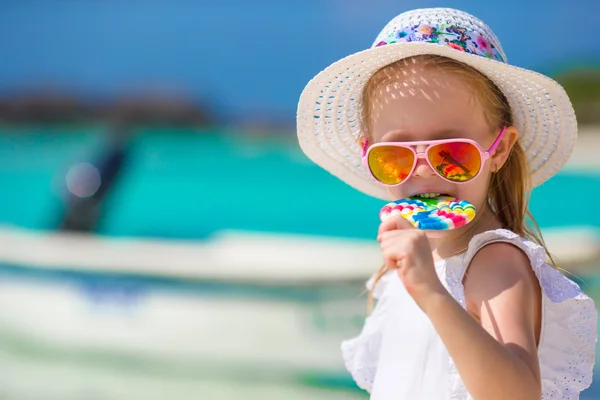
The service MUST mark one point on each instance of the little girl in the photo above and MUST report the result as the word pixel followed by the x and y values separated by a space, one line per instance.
pixel 472 313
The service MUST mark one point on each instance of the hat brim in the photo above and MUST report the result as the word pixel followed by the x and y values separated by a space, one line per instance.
pixel 329 112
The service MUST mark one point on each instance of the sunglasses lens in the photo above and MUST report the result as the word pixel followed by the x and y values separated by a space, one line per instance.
pixel 391 164
pixel 456 161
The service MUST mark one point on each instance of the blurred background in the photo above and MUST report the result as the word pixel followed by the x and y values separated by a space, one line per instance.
pixel 161 233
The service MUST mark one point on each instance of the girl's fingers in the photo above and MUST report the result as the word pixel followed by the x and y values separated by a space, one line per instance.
pixel 394 223
pixel 385 235
pixel 394 262
pixel 390 238
pixel 392 248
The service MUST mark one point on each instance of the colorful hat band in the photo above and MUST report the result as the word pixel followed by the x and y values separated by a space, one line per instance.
pixel 456 37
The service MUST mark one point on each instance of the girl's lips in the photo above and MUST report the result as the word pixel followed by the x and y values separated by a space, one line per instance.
pixel 436 192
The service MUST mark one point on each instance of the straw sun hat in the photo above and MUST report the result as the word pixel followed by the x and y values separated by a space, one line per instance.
pixel 329 110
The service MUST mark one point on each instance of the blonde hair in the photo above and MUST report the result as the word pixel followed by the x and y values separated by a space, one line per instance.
pixel 508 191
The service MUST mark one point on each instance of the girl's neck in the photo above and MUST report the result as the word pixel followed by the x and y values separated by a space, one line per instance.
pixel 456 241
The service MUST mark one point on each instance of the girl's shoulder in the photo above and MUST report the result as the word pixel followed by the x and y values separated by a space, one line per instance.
pixel 569 316
pixel 556 285
pixel 535 252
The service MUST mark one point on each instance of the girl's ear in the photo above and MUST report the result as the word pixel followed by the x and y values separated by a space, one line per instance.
pixel 511 135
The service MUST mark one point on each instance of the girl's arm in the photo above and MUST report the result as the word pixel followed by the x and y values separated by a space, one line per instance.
pixel 497 356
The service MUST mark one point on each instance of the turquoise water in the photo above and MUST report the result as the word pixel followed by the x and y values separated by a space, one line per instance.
pixel 192 186
pixel 564 200
pixel 33 163
pixel 186 184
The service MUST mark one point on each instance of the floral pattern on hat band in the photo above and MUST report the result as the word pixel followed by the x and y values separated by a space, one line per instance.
pixel 456 37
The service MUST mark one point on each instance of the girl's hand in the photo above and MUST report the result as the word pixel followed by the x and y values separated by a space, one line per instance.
pixel 407 250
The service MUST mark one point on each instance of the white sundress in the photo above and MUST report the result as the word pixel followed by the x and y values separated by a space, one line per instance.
pixel 399 355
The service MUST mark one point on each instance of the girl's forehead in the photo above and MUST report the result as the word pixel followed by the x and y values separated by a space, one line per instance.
pixel 424 105
pixel 400 135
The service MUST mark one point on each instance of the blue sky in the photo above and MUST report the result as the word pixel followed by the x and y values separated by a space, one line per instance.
pixel 249 57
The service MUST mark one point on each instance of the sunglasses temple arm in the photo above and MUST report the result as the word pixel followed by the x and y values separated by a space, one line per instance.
pixel 364 149
pixel 497 141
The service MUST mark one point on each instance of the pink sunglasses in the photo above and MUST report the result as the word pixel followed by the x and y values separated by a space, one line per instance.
pixel 455 160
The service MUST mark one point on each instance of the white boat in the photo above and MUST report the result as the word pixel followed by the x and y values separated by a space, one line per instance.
pixel 262 312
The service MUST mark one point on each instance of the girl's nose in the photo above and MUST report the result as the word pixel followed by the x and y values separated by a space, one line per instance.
pixel 423 169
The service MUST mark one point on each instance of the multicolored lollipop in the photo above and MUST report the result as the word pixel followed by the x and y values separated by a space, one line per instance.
pixel 436 213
